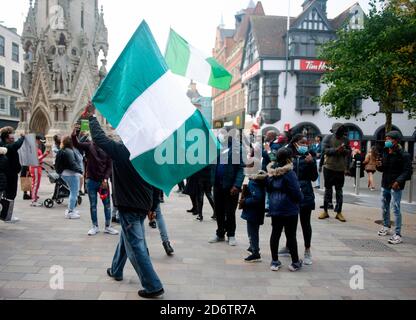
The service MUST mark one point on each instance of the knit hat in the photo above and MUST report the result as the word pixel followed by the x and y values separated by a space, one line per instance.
pixel 396 135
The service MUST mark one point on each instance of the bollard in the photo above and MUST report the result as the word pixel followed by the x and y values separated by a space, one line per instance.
pixel 358 178
pixel 411 183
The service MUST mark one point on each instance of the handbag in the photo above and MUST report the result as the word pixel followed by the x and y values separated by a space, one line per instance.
pixel 26 184
pixel 6 207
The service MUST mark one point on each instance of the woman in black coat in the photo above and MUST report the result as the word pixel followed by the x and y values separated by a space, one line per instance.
pixel 305 167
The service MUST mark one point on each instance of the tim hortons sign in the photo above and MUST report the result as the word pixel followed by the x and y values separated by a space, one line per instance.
pixel 313 65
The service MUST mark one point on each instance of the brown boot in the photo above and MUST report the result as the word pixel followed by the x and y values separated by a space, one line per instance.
pixel 324 215
pixel 340 217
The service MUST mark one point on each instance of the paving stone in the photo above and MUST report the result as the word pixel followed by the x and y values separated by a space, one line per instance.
pixel 39 294
pixel 112 296
pixel 10 293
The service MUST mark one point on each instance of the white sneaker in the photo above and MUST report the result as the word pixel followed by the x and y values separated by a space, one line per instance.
pixel 232 242
pixel 396 239
pixel 307 261
pixel 95 230
pixel 13 221
pixel 384 232
pixel 111 230
pixel 36 204
pixel 73 216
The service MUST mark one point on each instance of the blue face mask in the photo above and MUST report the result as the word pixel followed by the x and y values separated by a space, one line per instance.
pixel 389 144
pixel 302 150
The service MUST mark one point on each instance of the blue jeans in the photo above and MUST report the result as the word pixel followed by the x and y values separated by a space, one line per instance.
pixel 253 235
pixel 161 225
pixel 93 187
pixel 73 184
pixel 133 245
pixel 387 195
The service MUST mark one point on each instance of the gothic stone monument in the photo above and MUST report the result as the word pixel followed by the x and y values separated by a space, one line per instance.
pixel 62 40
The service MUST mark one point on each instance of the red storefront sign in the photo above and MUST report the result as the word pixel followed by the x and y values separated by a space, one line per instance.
pixel 355 145
pixel 313 65
pixel 250 73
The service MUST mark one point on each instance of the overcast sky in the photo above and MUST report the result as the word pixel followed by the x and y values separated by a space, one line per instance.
pixel 195 20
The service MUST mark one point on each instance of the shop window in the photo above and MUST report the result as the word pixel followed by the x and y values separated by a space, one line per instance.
pixel 271 91
pixel 308 92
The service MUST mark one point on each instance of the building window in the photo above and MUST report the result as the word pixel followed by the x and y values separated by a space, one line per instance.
pixel 2 80
pixel 15 52
pixel 14 112
pixel 308 91
pixel 251 53
pixel 2 44
pixel 3 105
pixel 271 91
pixel 253 96
pixel 15 80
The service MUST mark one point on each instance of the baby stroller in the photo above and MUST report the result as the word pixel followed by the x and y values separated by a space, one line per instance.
pixel 61 188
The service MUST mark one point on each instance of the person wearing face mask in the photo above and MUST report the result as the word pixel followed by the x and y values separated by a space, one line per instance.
pixel 396 167
pixel 306 169
pixel 337 151
pixel 227 177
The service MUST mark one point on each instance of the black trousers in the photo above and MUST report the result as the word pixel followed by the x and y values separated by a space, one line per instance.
pixel 204 189
pixel 305 222
pixel 225 208
pixel 11 189
pixel 290 224
pixel 334 179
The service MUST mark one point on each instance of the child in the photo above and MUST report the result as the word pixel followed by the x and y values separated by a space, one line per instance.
pixel 285 197
pixel 253 205
pixel 36 173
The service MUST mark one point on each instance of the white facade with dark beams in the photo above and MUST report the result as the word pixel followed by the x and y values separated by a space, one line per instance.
pixel 282 80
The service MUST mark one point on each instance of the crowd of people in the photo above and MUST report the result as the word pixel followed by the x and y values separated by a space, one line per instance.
pixel 280 186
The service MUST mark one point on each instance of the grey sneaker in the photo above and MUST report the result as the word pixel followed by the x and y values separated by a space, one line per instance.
pixel 216 239
pixel 396 239
pixel 294 267
pixel 384 232
pixel 232 242
pixel 284 252
pixel 275 265
pixel 307 261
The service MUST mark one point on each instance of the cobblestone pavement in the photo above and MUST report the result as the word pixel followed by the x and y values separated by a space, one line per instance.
pixel 199 270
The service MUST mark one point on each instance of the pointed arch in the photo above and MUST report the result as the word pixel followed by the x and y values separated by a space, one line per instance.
pixel 40 122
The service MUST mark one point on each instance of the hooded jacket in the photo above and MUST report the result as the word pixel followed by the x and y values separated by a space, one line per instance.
pixel 284 189
pixel 14 166
pixel 336 161
pixel 307 172
pixel 396 167
pixel 255 201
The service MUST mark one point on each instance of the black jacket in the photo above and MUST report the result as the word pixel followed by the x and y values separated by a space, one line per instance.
pixel 66 160
pixel 396 167
pixel 3 169
pixel 131 192
pixel 306 173
pixel 14 166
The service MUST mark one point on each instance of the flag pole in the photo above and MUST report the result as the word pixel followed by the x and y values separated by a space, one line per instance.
pixel 287 49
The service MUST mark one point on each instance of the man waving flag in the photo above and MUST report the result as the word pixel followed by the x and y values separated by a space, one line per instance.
pixel 186 61
pixel 168 138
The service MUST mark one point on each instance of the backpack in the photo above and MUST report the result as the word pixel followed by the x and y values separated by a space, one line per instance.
pixel 60 162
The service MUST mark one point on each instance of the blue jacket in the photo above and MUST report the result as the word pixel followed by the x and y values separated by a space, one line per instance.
pixel 255 202
pixel 306 173
pixel 284 191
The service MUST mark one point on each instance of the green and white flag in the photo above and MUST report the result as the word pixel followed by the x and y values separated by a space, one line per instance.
pixel 186 61
pixel 168 138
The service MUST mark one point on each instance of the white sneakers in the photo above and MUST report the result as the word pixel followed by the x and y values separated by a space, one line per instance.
pixel 73 215
pixel 232 242
pixel 384 232
pixel 111 230
pixel 396 239
pixel 108 230
pixel 36 204
pixel 95 230
pixel 13 220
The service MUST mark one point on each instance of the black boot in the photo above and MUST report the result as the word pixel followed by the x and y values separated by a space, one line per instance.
pixel 200 218
pixel 168 248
